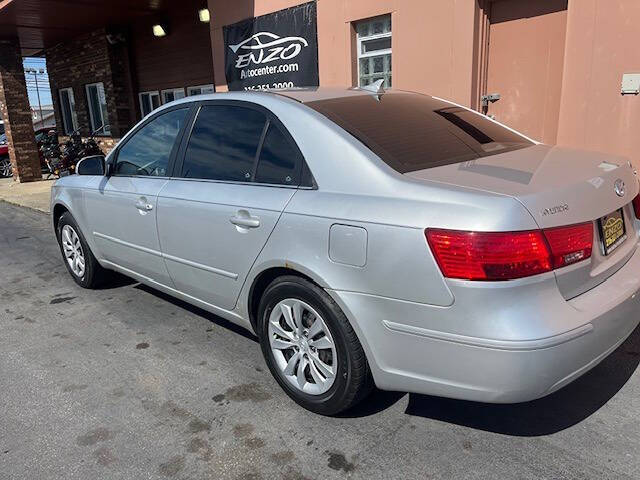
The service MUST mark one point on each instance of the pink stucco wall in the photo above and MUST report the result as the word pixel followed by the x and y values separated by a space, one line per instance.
pixel 433 40
pixel 439 47
pixel 525 64
pixel 601 45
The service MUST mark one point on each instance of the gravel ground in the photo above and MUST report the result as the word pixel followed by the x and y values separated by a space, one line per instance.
pixel 125 382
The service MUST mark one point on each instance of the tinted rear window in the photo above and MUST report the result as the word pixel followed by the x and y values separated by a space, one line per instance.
pixel 278 159
pixel 412 132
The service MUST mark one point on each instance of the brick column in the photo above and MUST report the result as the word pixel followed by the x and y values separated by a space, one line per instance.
pixel 14 106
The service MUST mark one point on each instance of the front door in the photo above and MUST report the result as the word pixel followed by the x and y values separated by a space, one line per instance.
pixel 239 172
pixel 526 54
pixel 121 209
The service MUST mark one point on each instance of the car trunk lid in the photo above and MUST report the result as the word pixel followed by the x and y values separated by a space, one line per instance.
pixel 559 187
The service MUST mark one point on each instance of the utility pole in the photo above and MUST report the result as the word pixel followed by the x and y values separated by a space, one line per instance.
pixel 35 75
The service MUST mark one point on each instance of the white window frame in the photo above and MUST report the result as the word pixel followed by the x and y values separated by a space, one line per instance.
pixel 106 128
pixel 174 91
pixel 361 39
pixel 150 93
pixel 201 87
pixel 72 108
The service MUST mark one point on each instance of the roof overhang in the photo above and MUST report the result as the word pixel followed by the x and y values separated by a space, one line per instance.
pixel 40 24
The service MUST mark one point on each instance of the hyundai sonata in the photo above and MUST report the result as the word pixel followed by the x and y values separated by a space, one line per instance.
pixel 369 238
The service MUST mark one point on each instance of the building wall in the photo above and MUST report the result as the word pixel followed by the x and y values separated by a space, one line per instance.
pixel 181 59
pixel 438 47
pixel 525 63
pixel 90 59
pixel 16 114
pixel 433 41
pixel 601 45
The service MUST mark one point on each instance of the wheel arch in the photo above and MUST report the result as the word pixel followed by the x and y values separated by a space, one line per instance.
pixel 263 279
pixel 267 273
pixel 60 206
pixel 56 212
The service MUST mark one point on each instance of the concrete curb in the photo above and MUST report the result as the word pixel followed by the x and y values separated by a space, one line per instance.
pixel 33 209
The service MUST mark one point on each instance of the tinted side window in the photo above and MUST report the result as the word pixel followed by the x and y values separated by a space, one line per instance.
pixel 223 143
pixel 147 152
pixel 278 159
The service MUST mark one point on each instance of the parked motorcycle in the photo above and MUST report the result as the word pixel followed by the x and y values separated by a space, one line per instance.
pixel 62 161
pixel 50 152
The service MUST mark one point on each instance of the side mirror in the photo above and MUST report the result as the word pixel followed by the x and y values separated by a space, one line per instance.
pixel 93 165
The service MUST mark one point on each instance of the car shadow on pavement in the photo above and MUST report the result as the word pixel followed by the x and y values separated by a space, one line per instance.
pixel 213 318
pixel 115 280
pixel 553 413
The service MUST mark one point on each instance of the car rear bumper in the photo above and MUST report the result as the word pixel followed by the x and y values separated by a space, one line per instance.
pixel 407 354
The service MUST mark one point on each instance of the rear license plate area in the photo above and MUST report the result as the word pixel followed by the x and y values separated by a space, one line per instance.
pixel 612 231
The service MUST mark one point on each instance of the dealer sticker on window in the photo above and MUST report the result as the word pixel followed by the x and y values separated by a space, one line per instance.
pixel 612 231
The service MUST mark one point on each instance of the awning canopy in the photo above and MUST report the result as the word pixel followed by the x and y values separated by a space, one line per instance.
pixel 40 24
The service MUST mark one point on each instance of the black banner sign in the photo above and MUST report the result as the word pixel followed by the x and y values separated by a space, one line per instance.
pixel 278 50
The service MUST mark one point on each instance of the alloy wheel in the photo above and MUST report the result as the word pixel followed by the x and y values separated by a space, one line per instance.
pixel 5 167
pixel 302 346
pixel 73 250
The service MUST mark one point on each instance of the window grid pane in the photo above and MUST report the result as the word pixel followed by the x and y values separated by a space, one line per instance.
pixel 372 67
pixel 97 102
pixel 376 44
pixel 67 109
pixel 375 68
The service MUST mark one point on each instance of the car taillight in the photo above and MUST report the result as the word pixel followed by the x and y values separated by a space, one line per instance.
pixel 569 244
pixel 508 255
pixel 636 206
pixel 489 255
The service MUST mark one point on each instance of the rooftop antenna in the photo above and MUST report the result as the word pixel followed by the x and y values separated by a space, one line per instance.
pixel 375 88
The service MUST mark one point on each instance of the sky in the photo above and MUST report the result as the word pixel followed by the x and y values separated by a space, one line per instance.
pixel 43 81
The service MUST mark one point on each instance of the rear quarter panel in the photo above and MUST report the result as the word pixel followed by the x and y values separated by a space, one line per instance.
pixel 398 262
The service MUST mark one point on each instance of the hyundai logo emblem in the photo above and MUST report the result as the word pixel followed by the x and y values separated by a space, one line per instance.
pixel 618 187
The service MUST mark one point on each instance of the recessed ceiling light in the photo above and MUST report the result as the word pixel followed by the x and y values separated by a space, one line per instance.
pixel 203 15
pixel 159 30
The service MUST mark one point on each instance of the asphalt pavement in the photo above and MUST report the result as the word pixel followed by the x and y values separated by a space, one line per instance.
pixel 127 383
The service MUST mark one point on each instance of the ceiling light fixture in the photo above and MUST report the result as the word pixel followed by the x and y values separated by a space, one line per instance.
pixel 160 30
pixel 204 15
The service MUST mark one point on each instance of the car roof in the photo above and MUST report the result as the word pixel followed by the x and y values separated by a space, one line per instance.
pixel 312 94
pixel 301 95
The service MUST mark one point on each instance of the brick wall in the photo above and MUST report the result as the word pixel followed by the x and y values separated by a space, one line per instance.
pixel 91 59
pixel 16 113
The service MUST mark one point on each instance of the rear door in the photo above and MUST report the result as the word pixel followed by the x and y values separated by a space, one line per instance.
pixel 237 170
pixel 121 209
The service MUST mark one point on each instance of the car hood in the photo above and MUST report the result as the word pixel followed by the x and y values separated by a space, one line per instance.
pixel 557 185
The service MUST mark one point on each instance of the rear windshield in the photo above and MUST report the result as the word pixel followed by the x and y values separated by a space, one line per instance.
pixel 412 132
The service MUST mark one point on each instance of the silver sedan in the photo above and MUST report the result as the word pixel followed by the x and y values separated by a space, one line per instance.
pixel 369 238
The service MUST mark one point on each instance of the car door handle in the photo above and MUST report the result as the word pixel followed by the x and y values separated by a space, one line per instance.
pixel 244 219
pixel 144 206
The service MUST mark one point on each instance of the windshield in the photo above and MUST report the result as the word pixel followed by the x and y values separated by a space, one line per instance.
pixel 412 132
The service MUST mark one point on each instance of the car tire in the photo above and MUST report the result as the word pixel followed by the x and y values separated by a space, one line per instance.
pixel 74 248
pixel 348 370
